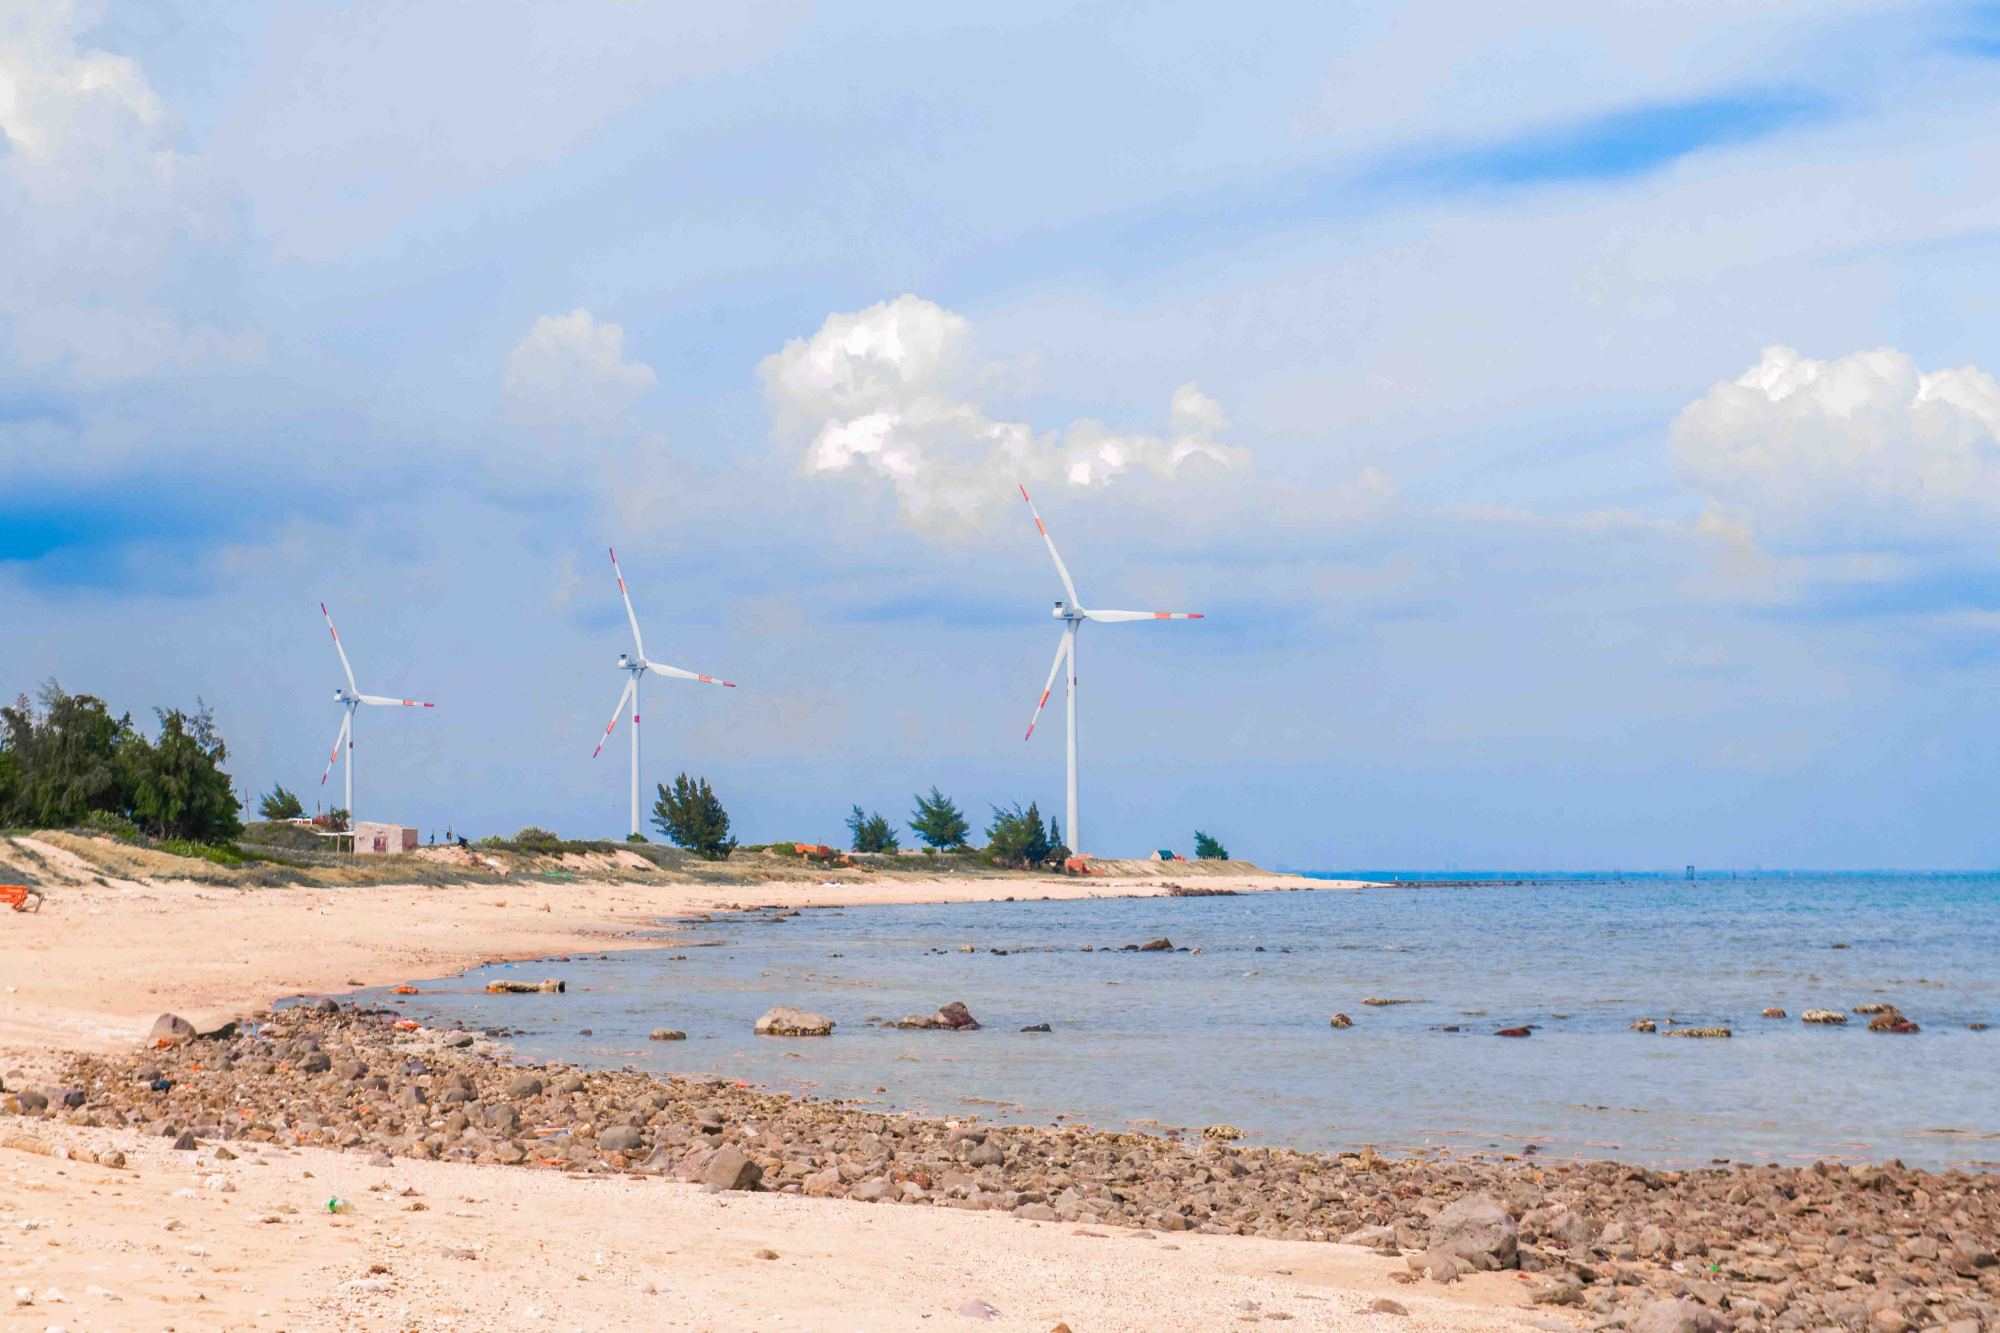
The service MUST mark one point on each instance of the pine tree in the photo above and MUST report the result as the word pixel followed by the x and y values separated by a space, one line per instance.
pixel 871 833
pixel 1016 837
pixel 938 821
pixel 280 804
pixel 692 817
pixel 1208 849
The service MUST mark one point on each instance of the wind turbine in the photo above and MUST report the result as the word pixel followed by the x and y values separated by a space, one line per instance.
pixel 1072 614
pixel 637 667
pixel 351 698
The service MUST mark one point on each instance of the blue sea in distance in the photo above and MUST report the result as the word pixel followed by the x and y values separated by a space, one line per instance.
pixel 1239 1031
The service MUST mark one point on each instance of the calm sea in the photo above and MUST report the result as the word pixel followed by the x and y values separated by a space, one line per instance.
pixel 1238 1032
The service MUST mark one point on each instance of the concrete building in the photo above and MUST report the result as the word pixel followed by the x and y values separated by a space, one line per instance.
pixel 383 839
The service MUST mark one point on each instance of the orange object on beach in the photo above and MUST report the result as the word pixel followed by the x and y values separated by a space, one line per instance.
pixel 16 896
pixel 405 989
pixel 407 1025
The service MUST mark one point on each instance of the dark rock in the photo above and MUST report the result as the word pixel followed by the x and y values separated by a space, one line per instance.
pixel 729 1169
pixel 621 1138
pixel 316 1063
pixel 185 1143
pixel 170 1030
pixel 1341 1021
pixel 1161 945
pixel 527 1085
pixel 956 1017
pixel 1037 1027
pixel 1478 1230
pixel 1516 1032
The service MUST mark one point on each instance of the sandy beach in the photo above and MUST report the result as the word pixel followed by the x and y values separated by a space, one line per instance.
pixel 187 1186
pixel 164 1241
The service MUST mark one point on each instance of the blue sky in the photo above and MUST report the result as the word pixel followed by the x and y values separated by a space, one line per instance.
pixel 1575 423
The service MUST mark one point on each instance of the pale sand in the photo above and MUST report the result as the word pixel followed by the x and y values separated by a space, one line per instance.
pixel 624 1252
pixel 100 962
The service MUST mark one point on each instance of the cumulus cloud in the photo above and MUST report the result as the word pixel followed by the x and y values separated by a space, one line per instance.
pixel 891 392
pixel 102 219
pixel 1864 450
pixel 570 370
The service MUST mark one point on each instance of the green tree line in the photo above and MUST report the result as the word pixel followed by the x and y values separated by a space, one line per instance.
pixel 67 762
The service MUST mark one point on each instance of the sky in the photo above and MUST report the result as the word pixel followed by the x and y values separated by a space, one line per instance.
pixel 1576 423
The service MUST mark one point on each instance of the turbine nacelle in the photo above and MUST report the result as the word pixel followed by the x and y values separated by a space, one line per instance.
pixel 341 696
pixel 625 663
pixel 1064 611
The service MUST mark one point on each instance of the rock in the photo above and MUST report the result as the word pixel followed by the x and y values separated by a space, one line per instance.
pixel 956 1017
pixel 1668 1315
pixel 1892 1022
pixel 549 987
pixel 787 1021
pixel 729 1169
pixel 32 1103
pixel 1160 945
pixel 1876 1007
pixel 622 1138
pixel 986 1154
pixel 315 1063
pixel 1645 1025
pixel 873 1191
pixel 1221 1133
pixel 1341 1021
pixel 1822 1016
pixel 1037 1027
pixel 1774 1012
pixel 1528 1031
pixel 1377 1002
pixel 1699 1032
pixel 170 1030
pixel 666 1034
pixel 185 1143
pixel 1383 1305
pixel 767 1254
pixel 1478 1230
pixel 527 1085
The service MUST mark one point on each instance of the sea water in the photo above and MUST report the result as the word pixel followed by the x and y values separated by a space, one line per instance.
pixel 1236 1029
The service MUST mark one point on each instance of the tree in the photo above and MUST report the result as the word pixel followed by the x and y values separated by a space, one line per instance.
pixel 1208 849
pixel 178 787
pixel 1059 852
pixel 64 757
pixel 871 832
pixel 693 818
pixel 938 821
pixel 1016 836
pixel 280 804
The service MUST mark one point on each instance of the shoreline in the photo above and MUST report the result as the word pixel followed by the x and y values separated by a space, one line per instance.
pixel 102 959
pixel 334 1095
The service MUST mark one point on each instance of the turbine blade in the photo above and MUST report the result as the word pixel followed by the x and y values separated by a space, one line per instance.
pixel 337 648
pixel 688 675
pixel 338 741
pixel 384 701
pixel 631 684
pixel 637 642
pixel 1061 569
pixel 1062 652
pixel 1111 616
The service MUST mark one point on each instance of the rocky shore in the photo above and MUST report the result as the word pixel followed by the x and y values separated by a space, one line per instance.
pixel 1883 1248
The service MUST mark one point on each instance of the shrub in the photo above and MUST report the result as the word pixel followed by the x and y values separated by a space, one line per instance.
pixel 536 839
pixel 635 837
pixel 117 826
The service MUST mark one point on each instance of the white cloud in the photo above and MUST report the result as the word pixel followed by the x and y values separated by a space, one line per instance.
pixel 1825 455
pixel 890 392
pixel 100 214
pixel 571 370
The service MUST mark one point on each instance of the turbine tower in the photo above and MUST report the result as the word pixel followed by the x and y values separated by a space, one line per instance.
pixel 635 667
pixel 350 699
pixel 1072 614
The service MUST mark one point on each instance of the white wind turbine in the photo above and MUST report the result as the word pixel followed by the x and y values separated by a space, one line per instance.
pixel 350 699
pixel 637 667
pixel 1073 614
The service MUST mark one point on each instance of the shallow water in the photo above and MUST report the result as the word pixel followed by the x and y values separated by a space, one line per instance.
pixel 1237 1035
